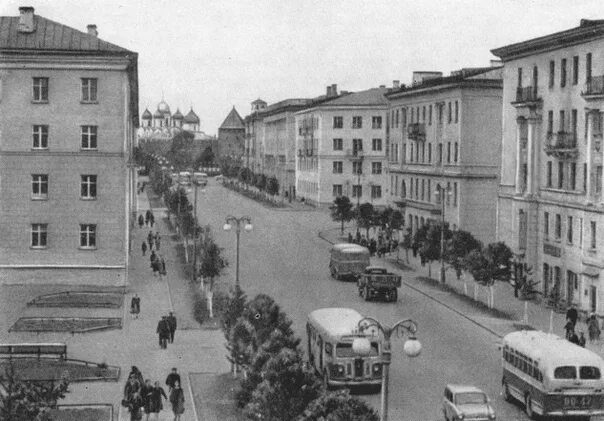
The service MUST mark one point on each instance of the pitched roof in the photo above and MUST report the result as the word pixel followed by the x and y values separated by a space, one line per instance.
pixel 52 36
pixel 147 114
pixel 191 117
pixel 374 96
pixel 232 121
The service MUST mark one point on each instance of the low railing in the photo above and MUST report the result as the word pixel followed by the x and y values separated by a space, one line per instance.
pixel 527 94
pixel 594 86
pixel 562 145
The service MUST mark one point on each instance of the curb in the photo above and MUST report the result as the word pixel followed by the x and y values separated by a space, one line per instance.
pixel 453 309
pixel 192 397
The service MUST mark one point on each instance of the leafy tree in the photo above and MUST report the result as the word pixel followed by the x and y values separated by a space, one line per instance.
pixel 213 263
pixel 177 201
pixel 457 248
pixel 246 175
pixel 427 240
pixel 27 401
pixel 286 390
pixel 206 158
pixel 365 216
pixel 338 406
pixel 341 210
pixel 182 150
pixel 260 182
pixel 407 243
pixel 272 186
pixel 492 263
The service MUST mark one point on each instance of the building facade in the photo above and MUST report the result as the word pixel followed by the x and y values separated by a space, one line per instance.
pixel 550 206
pixel 443 149
pixel 231 137
pixel 68 113
pixel 254 132
pixel 341 149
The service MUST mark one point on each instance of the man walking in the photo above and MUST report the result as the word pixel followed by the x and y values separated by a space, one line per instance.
pixel 141 220
pixel 151 219
pixel 172 378
pixel 150 238
pixel 163 332
pixel 147 217
pixel 144 247
pixel 172 325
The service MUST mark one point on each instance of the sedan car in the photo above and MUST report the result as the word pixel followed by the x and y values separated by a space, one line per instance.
pixel 467 403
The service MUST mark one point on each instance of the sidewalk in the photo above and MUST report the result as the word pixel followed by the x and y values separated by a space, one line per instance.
pixel 509 312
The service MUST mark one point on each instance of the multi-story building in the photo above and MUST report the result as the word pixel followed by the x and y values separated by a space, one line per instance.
pixel 254 151
pixel 341 149
pixel 231 136
pixel 550 205
pixel 443 143
pixel 68 113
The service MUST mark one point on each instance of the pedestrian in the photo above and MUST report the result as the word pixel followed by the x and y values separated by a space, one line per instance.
pixel 151 219
pixel 358 237
pixel 171 325
pixel 136 373
pixel 582 339
pixel 132 386
pixel 172 378
pixel 157 241
pixel 155 403
pixel 350 237
pixel 145 393
pixel 152 257
pixel 135 306
pixel 141 220
pixel 569 329
pixel 177 399
pixel 147 217
pixel 163 332
pixel 156 266
pixel 162 268
pixel 150 239
pixel 134 406
pixel 593 329
pixel 572 315
pixel 144 247
pixel 574 338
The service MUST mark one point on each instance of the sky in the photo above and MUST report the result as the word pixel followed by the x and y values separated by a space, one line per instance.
pixel 213 55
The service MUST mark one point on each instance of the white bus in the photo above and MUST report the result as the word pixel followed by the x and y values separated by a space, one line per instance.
pixel 200 178
pixel 184 178
pixel 551 376
pixel 330 332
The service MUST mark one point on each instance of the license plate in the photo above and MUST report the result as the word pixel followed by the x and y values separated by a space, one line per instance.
pixel 572 402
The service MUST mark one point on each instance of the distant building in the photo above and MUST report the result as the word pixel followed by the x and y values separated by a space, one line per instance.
pixel 551 206
pixel 231 136
pixel 254 132
pixel 68 113
pixel 445 134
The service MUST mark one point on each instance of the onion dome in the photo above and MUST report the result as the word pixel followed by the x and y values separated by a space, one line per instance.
pixel 163 107
pixel 191 117
pixel 158 114
pixel 147 115
pixel 177 115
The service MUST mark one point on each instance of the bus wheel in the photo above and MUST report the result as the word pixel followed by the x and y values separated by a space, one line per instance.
pixel 528 406
pixel 505 391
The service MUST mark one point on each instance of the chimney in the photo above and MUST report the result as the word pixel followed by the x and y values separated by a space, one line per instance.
pixel 26 20
pixel 396 84
pixel 334 89
pixel 328 93
pixel 92 30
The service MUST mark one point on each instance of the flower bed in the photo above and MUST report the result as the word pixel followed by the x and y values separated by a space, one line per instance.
pixel 65 324
pixel 50 369
pixel 89 299
pixel 100 412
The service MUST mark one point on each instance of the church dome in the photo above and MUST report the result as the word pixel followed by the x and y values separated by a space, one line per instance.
pixel 163 107
pixel 177 115
pixel 158 114
pixel 191 117
pixel 147 115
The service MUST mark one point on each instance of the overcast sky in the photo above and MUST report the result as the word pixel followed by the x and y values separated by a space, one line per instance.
pixel 216 54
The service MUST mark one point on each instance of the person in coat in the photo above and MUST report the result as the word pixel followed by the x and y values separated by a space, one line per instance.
pixel 151 219
pixel 172 378
pixel 572 315
pixel 593 329
pixel 177 399
pixel 135 306
pixel 154 399
pixel 141 220
pixel 136 373
pixel 150 240
pixel 147 217
pixel 134 406
pixel 163 332
pixel 144 247
pixel 146 393
pixel 172 325
pixel 132 386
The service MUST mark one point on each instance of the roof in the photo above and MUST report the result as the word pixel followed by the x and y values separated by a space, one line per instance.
pixel 147 115
pixel 341 321
pixel 191 117
pixel 177 115
pixel 370 97
pixel 463 388
pixel 258 101
pixel 349 246
pixel 52 36
pixel 587 29
pixel 158 114
pixel 233 121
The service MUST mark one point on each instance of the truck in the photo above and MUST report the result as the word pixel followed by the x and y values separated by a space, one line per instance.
pixel 376 282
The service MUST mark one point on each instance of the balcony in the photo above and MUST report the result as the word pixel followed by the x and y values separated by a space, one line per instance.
pixel 527 97
pixel 562 145
pixel 416 131
pixel 594 88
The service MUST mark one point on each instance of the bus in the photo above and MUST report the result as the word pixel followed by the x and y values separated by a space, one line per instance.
pixel 330 332
pixel 200 178
pixel 348 260
pixel 184 178
pixel 551 376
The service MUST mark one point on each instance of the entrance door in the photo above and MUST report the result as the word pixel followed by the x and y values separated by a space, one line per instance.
pixel 593 293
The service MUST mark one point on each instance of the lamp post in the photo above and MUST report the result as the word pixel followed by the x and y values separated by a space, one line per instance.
pixel 412 348
pixel 230 221
pixel 441 193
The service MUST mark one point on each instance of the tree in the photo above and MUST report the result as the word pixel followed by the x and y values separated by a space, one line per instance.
pixel 338 406
pixel 457 248
pixel 177 201
pixel 206 158
pixel 234 306
pixel 286 389
pixel 260 182
pixel 365 216
pixel 272 186
pixel 212 264
pixel 407 243
pixel 427 240
pixel 492 263
pixel 341 210
pixel 182 150
pixel 25 400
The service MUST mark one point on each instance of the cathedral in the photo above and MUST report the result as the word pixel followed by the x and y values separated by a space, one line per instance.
pixel 162 124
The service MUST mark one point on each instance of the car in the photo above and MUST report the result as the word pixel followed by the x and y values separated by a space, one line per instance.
pixel 467 403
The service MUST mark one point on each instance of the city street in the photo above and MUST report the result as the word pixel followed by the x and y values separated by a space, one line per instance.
pixel 284 257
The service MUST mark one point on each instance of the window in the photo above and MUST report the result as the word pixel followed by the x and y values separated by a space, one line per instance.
pixel 565 372
pixel 40 137
pixel 558 227
pixel 357 122
pixel 430 115
pixel 552 72
pixel 87 236
pixel 357 190
pixel 450 114
pixel 560 175
pixel 357 145
pixel 376 122
pixel 376 144
pixel 376 168
pixel 337 167
pixel 89 136
pixel 376 192
pixel 89 89
pixel 455 194
pixel 424 114
pixel 448 193
pixel 569 230
pixel 411 152
pixel 429 152
pixel 563 73
pixel 338 122
pixel 39 186
pixel 423 196
pixel 549 174
pixel 585 178
pixel 588 67
pixel 397 120
pixel 440 112
pixel 562 120
pixel 429 192
pixel 589 373
pixel 520 77
pixel 357 167
pixel 337 144
pixel 573 123
pixel 456 111
pixel 40 92
pixel 39 235
pixel 337 190
pixel 550 121
pixel 448 152
pixel 456 151
pixel 404 116
pixel 572 177
pixel 88 187
pixel 546 225
pixel 575 70
pixel 593 242
pixel 440 153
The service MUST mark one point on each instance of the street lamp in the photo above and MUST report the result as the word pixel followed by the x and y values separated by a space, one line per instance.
pixel 412 348
pixel 441 193
pixel 230 221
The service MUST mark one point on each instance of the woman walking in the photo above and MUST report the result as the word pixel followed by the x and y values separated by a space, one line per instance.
pixel 177 399
pixel 154 402
pixel 134 405
pixel 141 220
pixel 135 306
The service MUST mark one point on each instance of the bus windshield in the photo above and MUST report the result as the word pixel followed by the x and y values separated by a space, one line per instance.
pixel 344 349
pixel 469 398
pixel 570 372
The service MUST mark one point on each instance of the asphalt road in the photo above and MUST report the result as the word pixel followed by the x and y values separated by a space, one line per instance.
pixel 284 257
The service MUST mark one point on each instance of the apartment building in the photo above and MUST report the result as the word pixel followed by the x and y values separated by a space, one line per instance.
pixel 444 149
pixel 254 133
pixel 341 149
pixel 68 114
pixel 550 206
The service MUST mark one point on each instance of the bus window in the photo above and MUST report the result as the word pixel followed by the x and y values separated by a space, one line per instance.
pixel 344 350
pixel 565 372
pixel 589 373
